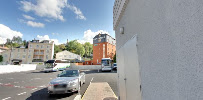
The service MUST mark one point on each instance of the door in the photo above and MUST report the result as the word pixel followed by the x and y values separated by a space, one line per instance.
pixel 132 70
pixel 121 74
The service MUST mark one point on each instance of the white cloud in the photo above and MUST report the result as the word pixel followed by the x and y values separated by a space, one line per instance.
pixel 89 35
pixel 46 8
pixel 28 17
pixel 7 33
pixel 35 24
pixel 50 8
pixel 46 37
pixel 55 33
pixel 77 11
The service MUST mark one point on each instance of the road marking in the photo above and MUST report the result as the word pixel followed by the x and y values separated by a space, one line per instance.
pixel 6 98
pixel 34 89
pixel 21 93
pixel 42 86
pixel 16 86
pixel 92 79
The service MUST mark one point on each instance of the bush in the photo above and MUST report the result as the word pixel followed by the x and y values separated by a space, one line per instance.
pixel 1 58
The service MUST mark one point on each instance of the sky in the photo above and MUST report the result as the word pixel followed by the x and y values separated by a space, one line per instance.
pixel 56 20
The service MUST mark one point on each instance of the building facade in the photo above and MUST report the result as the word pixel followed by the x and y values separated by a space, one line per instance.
pixel 104 46
pixel 66 55
pixel 159 47
pixel 35 52
pixel 2 49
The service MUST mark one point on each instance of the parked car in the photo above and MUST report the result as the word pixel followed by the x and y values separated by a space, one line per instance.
pixel 115 66
pixel 67 81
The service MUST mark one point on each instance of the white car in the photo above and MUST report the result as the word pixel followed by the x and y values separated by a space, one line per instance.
pixel 66 82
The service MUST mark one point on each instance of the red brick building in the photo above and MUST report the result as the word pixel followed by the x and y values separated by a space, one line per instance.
pixel 104 46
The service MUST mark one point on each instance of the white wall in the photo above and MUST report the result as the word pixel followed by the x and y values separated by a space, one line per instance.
pixel 16 68
pixel 170 47
pixel 85 67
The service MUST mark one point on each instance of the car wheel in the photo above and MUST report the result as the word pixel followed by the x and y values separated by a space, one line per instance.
pixel 50 95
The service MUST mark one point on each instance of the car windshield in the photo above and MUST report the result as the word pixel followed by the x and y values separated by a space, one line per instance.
pixel 69 73
pixel 49 65
pixel 106 62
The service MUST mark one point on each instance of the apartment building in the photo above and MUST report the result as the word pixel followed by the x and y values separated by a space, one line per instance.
pixel 36 51
pixel 104 46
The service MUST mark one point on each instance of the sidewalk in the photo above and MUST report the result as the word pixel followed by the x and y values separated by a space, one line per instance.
pixel 99 91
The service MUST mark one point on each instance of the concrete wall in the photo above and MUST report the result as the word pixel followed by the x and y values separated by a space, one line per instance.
pixel 16 68
pixel 170 47
pixel 85 67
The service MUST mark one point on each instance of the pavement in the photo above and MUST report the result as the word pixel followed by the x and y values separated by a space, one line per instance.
pixel 32 85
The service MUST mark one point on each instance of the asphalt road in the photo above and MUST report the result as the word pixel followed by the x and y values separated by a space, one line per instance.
pixel 32 85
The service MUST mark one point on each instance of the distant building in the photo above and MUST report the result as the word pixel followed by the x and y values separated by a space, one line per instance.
pixel 104 46
pixel 2 48
pixel 36 51
pixel 66 55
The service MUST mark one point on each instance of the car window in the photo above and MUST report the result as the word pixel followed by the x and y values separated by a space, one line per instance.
pixel 69 73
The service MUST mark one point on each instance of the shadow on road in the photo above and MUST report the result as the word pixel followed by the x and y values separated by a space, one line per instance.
pixel 96 71
pixel 41 72
pixel 43 95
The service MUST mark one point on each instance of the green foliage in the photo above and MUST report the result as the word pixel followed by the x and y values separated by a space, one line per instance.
pixel 15 42
pixel 1 58
pixel 88 49
pixel 114 58
pixel 62 47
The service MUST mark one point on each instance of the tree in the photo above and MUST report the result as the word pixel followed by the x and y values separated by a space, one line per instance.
pixel 75 47
pixel 17 40
pixel 1 58
pixel 56 50
pixel 114 58
pixel 25 43
pixel 80 50
pixel 62 47
pixel 88 49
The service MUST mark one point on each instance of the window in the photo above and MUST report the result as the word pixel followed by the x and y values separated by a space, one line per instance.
pixel 47 46
pixel 41 46
pixel 30 46
pixel 47 51
pixel 46 56
pixel 29 56
pixel 37 46
pixel 23 56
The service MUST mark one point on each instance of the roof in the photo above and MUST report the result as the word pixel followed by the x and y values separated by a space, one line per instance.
pixel 4 48
pixel 67 51
pixel 50 61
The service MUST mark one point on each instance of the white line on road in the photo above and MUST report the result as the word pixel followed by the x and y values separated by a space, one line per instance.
pixel 34 89
pixel 17 86
pixel 92 79
pixel 42 86
pixel 21 93
pixel 6 98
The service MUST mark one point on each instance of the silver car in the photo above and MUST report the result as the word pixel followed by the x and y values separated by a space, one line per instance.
pixel 66 82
